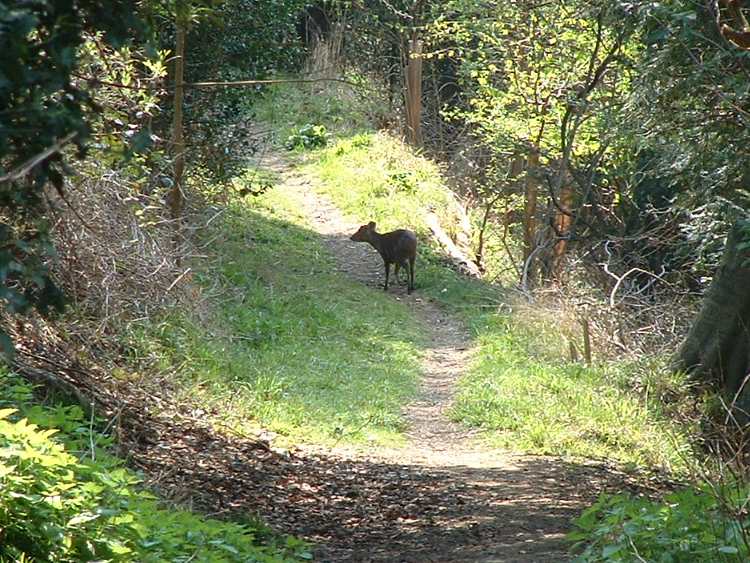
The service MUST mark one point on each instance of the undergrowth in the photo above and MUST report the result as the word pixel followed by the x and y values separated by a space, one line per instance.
pixel 705 523
pixel 283 342
pixel 64 497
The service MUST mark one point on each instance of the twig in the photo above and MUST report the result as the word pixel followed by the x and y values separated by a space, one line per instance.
pixel 625 275
pixel 175 282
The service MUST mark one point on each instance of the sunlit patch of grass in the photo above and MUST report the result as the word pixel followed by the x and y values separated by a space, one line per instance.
pixel 527 399
pixel 521 388
pixel 374 177
pixel 343 108
pixel 289 344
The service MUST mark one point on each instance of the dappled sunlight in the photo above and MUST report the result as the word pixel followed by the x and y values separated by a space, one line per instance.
pixel 361 507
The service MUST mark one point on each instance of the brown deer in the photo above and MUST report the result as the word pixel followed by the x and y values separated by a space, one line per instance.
pixel 397 247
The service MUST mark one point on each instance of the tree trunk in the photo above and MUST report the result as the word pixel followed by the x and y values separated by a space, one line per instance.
pixel 530 198
pixel 717 348
pixel 563 223
pixel 175 197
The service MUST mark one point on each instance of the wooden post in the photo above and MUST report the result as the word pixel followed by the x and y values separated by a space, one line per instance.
pixel 573 351
pixel 586 341
pixel 175 198
pixel 414 93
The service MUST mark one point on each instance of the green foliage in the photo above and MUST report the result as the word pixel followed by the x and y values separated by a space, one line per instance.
pixel 687 111
pixel 42 106
pixel 308 137
pixel 237 40
pixel 289 344
pixel 536 77
pixel 245 40
pixel 687 525
pixel 45 512
pixel 126 87
pixel 531 67
pixel 57 507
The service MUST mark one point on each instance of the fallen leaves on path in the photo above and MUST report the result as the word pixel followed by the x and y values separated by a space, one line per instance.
pixel 367 509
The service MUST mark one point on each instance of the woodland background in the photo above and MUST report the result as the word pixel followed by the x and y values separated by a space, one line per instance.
pixel 596 155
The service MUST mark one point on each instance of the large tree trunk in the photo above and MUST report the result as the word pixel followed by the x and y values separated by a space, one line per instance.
pixel 717 348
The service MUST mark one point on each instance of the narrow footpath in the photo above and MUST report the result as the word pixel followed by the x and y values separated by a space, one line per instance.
pixel 442 498
pixel 439 499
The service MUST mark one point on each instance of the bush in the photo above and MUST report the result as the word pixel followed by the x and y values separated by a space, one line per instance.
pixel 308 137
pixel 56 508
pixel 46 512
pixel 687 525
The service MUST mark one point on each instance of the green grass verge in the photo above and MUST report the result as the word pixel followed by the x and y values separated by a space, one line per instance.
pixel 519 388
pixel 528 398
pixel 285 342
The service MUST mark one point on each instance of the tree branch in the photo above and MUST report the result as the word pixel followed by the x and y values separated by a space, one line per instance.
pixel 26 167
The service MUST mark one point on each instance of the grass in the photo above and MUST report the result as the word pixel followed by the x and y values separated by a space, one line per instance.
pixel 343 108
pixel 526 397
pixel 288 344
pixel 374 177
pixel 520 388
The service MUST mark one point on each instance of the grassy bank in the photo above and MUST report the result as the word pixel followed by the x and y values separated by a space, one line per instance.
pixel 282 341
pixel 521 388
pixel 526 396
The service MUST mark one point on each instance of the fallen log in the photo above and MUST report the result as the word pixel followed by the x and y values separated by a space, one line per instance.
pixel 457 257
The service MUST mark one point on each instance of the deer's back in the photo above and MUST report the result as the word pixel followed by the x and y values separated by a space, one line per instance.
pixel 398 246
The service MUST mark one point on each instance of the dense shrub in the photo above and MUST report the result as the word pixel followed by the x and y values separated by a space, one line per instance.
pixel 61 507
pixel 688 525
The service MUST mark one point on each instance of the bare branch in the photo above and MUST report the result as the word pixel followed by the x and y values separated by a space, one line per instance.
pixel 27 166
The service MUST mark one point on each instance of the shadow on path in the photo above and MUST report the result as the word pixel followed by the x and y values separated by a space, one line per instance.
pixel 366 509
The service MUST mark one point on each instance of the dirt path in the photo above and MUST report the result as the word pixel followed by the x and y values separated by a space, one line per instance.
pixel 433 437
pixel 441 498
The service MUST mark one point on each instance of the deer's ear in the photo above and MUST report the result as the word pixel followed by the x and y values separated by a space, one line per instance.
pixel 371 225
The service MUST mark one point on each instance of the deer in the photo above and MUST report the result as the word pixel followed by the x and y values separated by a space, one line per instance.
pixel 397 247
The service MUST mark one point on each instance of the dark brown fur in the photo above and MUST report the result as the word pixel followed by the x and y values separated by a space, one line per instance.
pixel 397 247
